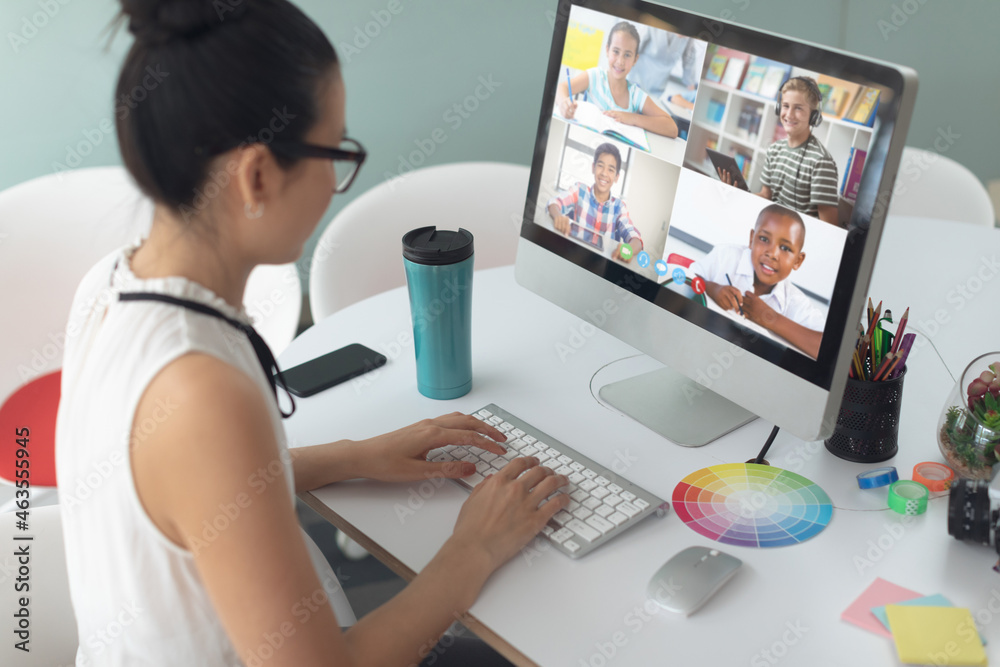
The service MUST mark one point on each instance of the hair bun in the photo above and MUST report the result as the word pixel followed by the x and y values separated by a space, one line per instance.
pixel 160 21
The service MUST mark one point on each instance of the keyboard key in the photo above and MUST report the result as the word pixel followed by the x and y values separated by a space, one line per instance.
pixel 494 420
pixel 577 466
pixel 589 474
pixel 479 417
pixel 564 470
pixel 612 500
pixel 562 517
pixel 510 454
pixel 528 451
pixel 539 444
pixel 617 518
pixel 600 492
pixel 565 460
pixel 572 505
pixel 588 485
pixel 550 463
pixel 547 531
pixel 516 432
pixel 600 524
pixel 602 480
pixel 571 546
pixel 627 495
pixel 581 513
pixel 575 478
pixel 528 439
pixel 552 451
pixel 459 452
pixel 474 479
pixel 562 535
pixel 583 530
pixel 505 426
pixel 443 457
pixel 483 467
pixel 516 444
pixel 640 503
pixel 487 456
pixel 499 463
pixel 485 413
pixel 591 503
pixel 470 458
pixel 580 495
pixel 614 488
pixel 542 457
pixel 603 511
pixel 628 509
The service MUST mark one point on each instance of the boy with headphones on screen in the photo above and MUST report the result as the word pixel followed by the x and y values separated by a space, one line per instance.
pixel 799 171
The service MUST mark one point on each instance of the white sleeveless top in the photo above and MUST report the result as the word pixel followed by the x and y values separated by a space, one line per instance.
pixel 137 596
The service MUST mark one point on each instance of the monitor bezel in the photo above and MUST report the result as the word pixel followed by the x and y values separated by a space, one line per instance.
pixel 869 210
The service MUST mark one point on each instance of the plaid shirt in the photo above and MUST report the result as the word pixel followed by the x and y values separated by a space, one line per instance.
pixel 581 206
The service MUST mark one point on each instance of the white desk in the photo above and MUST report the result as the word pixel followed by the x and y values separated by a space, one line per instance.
pixel 546 608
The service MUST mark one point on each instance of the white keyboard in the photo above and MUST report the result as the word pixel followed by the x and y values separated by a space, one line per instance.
pixel 602 505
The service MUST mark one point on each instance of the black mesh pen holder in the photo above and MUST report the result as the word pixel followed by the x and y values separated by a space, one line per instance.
pixel 868 422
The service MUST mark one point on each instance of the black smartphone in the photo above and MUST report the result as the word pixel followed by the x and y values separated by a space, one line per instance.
pixel 331 369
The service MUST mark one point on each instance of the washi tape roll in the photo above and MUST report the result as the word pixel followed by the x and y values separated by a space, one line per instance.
pixel 871 479
pixel 906 497
pixel 935 476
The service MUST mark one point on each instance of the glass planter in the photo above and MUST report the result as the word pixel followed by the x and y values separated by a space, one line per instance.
pixel 969 427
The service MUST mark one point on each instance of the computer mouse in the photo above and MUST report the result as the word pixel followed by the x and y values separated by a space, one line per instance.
pixel 686 582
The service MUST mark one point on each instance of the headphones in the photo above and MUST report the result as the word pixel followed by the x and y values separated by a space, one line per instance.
pixel 815 116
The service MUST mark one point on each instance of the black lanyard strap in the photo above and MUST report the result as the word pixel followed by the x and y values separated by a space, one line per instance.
pixel 260 347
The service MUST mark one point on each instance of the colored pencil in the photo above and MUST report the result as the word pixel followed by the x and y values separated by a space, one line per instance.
pixel 883 367
pixel 897 367
pixel 900 329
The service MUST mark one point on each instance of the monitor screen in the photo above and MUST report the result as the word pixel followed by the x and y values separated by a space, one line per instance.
pixel 727 176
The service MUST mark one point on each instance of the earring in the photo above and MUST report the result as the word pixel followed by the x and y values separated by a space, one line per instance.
pixel 255 212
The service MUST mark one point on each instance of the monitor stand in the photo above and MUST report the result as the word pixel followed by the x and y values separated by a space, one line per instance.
pixel 676 407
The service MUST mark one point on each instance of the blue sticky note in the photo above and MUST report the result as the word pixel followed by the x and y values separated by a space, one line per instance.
pixel 928 601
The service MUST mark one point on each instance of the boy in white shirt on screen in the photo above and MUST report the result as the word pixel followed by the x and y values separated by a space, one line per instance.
pixel 758 275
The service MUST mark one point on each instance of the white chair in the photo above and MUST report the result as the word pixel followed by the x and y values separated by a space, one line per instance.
pixel 52 230
pixel 53 634
pixel 931 185
pixel 486 198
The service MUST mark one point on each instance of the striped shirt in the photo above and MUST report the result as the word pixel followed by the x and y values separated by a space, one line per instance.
pixel 580 205
pixel 599 93
pixel 802 178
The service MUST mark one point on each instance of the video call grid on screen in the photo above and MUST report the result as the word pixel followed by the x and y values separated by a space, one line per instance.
pixel 689 222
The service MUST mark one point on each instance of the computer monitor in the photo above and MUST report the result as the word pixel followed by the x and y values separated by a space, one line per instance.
pixel 630 224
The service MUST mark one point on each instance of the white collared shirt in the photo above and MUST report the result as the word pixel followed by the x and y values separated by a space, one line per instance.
pixel 785 298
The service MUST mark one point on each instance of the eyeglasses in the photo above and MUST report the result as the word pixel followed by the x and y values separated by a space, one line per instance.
pixel 347 158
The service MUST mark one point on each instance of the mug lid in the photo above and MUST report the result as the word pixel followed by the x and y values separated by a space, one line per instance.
pixel 429 245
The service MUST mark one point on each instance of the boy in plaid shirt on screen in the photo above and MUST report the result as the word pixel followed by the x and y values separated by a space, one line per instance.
pixel 595 211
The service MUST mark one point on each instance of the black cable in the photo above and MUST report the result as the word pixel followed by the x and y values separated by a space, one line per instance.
pixel 767 445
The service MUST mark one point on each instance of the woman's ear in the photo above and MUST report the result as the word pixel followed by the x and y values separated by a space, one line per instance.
pixel 251 178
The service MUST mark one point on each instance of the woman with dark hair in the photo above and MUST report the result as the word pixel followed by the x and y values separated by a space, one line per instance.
pixel 187 550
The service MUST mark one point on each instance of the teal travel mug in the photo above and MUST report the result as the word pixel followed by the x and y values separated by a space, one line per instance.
pixel 438 267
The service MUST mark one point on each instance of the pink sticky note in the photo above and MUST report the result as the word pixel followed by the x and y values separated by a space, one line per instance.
pixel 881 592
